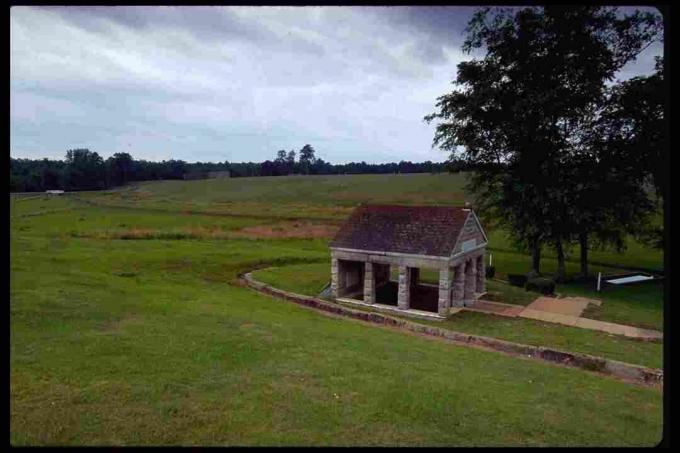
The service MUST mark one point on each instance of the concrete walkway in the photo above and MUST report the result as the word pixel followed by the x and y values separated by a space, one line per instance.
pixel 496 308
pixel 564 306
pixel 566 311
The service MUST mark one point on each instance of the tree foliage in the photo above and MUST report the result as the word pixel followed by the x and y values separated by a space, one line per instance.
pixel 84 170
pixel 527 118
pixel 28 175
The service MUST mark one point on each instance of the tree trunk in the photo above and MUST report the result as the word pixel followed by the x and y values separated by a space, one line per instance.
pixel 561 268
pixel 583 241
pixel 535 258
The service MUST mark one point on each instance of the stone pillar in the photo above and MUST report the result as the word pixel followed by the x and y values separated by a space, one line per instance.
pixel 444 302
pixel 403 301
pixel 458 292
pixel 481 274
pixel 369 283
pixel 470 282
pixel 335 278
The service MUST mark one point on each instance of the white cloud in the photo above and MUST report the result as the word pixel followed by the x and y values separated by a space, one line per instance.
pixel 202 83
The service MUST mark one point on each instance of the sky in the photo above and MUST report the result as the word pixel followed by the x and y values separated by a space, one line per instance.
pixel 212 83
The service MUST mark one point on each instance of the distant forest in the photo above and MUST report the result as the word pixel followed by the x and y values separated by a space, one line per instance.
pixel 83 169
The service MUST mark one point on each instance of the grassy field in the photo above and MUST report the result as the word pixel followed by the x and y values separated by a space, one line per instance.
pixel 333 198
pixel 127 328
pixel 309 278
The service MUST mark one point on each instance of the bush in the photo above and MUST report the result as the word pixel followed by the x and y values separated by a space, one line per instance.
pixel 490 271
pixel 541 285
pixel 517 280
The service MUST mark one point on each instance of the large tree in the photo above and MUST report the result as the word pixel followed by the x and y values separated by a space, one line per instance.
pixel 281 156
pixel 120 167
pixel 290 162
pixel 306 158
pixel 521 113
pixel 634 126
pixel 84 169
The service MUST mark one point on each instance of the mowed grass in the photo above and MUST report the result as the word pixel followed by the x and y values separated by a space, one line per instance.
pixel 74 219
pixel 309 279
pixel 147 343
pixel 640 306
pixel 441 188
pixel 152 342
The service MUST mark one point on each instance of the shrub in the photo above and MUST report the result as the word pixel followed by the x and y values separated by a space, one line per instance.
pixel 490 271
pixel 517 279
pixel 541 285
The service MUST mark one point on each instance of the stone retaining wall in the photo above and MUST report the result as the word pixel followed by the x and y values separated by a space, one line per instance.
pixel 636 373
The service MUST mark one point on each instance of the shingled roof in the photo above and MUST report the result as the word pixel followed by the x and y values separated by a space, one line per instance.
pixel 417 230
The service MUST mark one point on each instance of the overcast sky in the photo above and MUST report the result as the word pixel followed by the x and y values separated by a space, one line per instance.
pixel 234 83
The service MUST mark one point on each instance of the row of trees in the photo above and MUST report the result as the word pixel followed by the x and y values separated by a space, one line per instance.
pixel 307 163
pixel 87 170
pixel 563 153
pixel 83 169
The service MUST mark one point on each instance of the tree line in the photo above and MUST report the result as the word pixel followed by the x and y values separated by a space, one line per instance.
pixel 564 154
pixel 83 169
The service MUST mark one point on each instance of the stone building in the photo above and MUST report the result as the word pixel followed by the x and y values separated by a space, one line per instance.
pixel 378 240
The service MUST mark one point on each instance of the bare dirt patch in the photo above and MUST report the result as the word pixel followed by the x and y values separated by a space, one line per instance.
pixel 292 229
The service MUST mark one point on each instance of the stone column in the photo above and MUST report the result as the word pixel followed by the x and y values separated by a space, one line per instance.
pixel 444 302
pixel 458 292
pixel 369 283
pixel 404 288
pixel 481 274
pixel 470 282
pixel 335 278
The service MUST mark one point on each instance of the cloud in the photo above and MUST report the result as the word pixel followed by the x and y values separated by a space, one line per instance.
pixel 237 83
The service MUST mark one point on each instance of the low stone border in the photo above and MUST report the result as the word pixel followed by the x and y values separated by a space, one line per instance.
pixel 626 371
pixel 411 313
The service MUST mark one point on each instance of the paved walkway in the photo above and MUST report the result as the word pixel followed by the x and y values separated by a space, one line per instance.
pixel 496 308
pixel 564 306
pixel 566 311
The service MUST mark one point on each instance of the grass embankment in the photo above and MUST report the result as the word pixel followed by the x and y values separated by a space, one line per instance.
pixel 333 197
pixel 147 342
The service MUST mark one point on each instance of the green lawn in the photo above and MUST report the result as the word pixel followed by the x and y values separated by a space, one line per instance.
pixel 151 342
pixel 635 255
pixel 309 278
pixel 640 305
